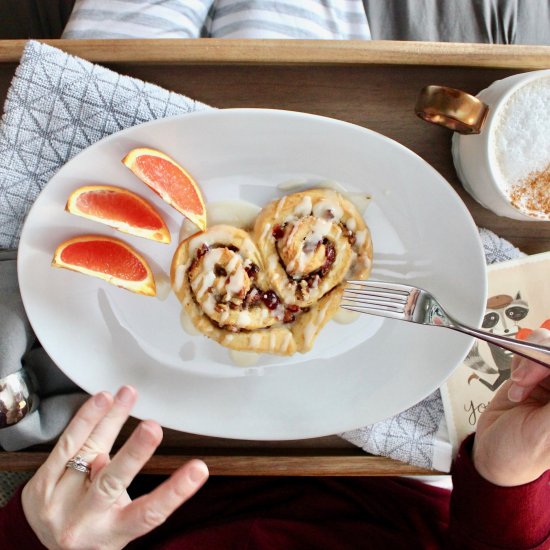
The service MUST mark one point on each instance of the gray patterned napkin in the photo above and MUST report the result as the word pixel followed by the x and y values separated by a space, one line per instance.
pixel 57 106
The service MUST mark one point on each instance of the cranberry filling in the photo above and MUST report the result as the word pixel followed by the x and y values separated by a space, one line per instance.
pixel 289 317
pixel 252 270
pixel 270 299
pixel 202 250
pixel 278 231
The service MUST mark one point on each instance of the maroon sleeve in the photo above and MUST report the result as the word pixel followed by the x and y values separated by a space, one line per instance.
pixel 15 532
pixel 485 516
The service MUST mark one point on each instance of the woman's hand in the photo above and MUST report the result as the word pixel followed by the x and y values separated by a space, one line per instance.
pixel 70 509
pixel 512 442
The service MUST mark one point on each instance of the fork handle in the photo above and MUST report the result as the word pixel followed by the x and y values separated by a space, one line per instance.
pixel 535 352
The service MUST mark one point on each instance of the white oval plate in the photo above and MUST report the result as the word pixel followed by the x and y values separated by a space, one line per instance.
pixel 357 374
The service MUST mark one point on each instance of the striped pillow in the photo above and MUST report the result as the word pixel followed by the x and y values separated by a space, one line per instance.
pixel 137 19
pixel 320 19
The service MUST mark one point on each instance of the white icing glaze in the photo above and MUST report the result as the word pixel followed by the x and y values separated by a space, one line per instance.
pixel 187 324
pixel 280 206
pixel 255 339
pixel 272 263
pixel 297 263
pixel 360 237
pixel 265 232
pixel 272 341
pixel 201 284
pixel 292 233
pixel 209 304
pixel 247 249
pixel 179 277
pixel 303 208
pixel 351 224
pixel 224 317
pixel 286 342
pixel 359 200
pixel 236 282
pixel 345 317
pixel 328 210
pixel 320 230
pixel 244 358
pixel 232 212
pixel 162 283
pixel 297 185
pixel 243 319
pixel 309 332
pixel 279 312
pixel 210 259
pixel 232 264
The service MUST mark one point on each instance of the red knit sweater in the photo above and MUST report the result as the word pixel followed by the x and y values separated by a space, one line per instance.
pixel 341 513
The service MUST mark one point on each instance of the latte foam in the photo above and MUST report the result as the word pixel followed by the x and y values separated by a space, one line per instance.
pixel 521 148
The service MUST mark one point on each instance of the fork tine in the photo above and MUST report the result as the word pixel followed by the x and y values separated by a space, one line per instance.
pixel 376 298
pixel 380 297
pixel 378 289
pixel 378 306
pixel 382 285
pixel 373 311
pixel 370 302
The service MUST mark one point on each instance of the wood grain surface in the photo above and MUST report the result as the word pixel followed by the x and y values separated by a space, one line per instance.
pixel 295 52
pixel 236 464
pixel 374 87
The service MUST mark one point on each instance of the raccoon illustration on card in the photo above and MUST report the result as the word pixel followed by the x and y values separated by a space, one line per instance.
pixel 502 316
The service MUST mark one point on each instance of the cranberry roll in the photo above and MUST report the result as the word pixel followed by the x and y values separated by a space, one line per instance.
pixel 219 278
pixel 311 243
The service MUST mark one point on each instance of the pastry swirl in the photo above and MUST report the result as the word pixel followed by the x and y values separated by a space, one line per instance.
pixel 312 241
pixel 272 290
pixel 218 276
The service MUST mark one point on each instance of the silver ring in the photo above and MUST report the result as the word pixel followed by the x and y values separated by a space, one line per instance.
pixel 79 464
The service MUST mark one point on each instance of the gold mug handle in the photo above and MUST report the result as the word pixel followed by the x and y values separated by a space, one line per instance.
pixel 451 108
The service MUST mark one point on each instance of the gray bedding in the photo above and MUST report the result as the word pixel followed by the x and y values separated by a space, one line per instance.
pixel 488 21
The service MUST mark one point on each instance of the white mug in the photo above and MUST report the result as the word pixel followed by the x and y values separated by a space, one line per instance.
pixel 474 149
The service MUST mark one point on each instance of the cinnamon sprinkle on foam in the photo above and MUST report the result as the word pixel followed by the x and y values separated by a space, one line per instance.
pixel 533 193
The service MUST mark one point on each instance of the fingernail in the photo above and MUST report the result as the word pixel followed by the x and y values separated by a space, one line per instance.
pixel 519 373
pixel 125 395
pixel 198 472
pixel 147 432
pixel 101 400
pixel 516 393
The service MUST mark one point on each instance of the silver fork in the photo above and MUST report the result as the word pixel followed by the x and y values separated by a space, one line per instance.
pixel 409 303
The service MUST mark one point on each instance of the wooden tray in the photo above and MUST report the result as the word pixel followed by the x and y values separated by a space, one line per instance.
pixel 372 84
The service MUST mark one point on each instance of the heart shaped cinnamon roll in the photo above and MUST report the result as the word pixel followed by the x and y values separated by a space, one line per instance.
pixel 271 291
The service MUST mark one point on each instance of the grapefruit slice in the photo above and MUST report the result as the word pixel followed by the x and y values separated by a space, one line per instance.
pixel 172 182
pixel 106 258
pixel 119 208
